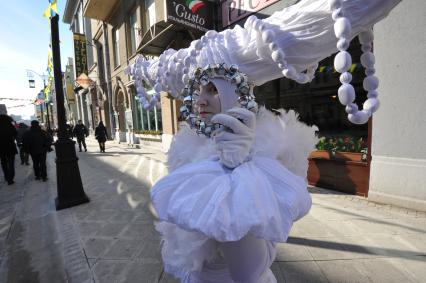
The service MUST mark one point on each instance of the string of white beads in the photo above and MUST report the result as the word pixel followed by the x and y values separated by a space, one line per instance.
pixel 343 61
pixel 277 54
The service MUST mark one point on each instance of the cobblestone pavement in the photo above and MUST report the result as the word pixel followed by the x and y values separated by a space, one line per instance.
pixel 111 239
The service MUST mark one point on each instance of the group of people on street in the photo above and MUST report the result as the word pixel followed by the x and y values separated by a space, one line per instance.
pixel 81 132
pixel 32 141
pixel 36 142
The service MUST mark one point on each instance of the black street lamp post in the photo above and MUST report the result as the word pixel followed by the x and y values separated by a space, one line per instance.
pixel 70 188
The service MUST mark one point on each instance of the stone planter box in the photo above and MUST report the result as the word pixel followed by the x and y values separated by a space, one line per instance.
pixel 149 137
pixel 149 140
pixel 342 171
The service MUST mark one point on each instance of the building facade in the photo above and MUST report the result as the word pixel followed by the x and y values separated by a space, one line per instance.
pixel 399 128
pixel 80 26
pixel 122 30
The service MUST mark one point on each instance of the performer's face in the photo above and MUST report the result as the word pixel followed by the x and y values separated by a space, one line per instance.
pixel 208 103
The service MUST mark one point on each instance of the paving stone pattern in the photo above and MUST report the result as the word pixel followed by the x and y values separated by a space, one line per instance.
pixel 112 239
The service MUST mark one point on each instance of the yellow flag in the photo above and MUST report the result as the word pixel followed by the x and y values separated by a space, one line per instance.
pixel 52 10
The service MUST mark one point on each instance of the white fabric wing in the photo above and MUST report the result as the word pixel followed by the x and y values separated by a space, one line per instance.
pixel 304 32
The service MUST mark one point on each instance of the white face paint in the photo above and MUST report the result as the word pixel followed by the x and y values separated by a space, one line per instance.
pixel 208 102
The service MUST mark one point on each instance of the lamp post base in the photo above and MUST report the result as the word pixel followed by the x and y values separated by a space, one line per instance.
pixel 70 187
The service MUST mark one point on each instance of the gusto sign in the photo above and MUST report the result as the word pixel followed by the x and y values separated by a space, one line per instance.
pixel 191 13
pixel 235 10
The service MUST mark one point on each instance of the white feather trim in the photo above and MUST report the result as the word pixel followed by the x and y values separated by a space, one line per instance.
pixel 281 137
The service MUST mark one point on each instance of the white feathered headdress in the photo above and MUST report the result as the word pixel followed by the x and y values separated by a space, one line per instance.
pixel 289 43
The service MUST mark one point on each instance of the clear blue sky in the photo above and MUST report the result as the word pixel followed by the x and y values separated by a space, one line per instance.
pixel 24 44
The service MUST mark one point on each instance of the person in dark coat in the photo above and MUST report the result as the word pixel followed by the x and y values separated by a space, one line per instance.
pixel 7 147
pixel 37 143
pixel 101 135
pixel 69 129
pixel 23 128
pixel 80 132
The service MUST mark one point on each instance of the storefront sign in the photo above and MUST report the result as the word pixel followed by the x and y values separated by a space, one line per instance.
pixel 235 10
pixel 80 54
pixel 70 92
pixel 191 13
pixel 84 81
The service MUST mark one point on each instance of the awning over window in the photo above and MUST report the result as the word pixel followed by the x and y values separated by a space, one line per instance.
pixel 164 35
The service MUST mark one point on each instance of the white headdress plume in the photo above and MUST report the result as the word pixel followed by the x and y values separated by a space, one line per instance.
pixel 289 43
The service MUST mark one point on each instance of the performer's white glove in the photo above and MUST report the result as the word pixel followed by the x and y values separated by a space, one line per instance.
pixel 234 145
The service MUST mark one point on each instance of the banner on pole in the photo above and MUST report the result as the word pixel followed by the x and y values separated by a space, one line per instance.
pixel 80 54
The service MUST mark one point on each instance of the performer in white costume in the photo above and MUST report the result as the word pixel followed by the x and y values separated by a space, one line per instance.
pixel 229 197
pixel 237 172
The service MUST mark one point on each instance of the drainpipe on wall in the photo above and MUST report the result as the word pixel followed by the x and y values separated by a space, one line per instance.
pixel 107 66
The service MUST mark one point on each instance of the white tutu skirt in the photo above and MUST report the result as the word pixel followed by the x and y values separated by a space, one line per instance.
pixel 260 197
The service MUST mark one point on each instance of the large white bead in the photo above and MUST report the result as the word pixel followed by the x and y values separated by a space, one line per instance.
pixel 193 53
pixel 257 24
pixel 370 83
pixel 211 33
pixel 277 56
pixel 366 37
pixel 342 44
pixel 302 78
pixel 146 106
pixel 140 89
pixel 157 88
pixel 268 36
pixel 342 61
pixel 370 71
pixel 249 21
pixel 185 79
pixel 334 4
pixel 346 94
pixel 368 59
pixel 342 28
pixel 290 72
pixel 371 104
pixel 345 78
pixel 366 47
pixel 153 100
pixel 351 108
pixel 198 45
pixel 204 40
pixel 187 61
pixel 273 46
pixel 372 94
pixel 338 13
pixel 359 117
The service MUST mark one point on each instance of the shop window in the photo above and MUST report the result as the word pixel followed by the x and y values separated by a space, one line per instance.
pixel 147 120
pixel 133 32
pixel 317 102
pixel 116 46
pixel 150 12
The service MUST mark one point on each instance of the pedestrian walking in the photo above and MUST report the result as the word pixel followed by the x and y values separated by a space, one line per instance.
pixel 101 135
pixel 37 142
pixel 7 147
pixel 22 129
pixel 80 132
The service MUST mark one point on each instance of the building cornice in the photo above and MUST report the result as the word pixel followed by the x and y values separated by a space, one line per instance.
pixel 70 8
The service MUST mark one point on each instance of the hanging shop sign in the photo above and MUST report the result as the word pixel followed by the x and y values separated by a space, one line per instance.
pixel 84 81
pixel 235 10
pixel 80 54
pixel 193 14
pixel 70 91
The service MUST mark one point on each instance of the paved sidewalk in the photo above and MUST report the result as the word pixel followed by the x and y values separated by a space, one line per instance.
pixel 111 239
